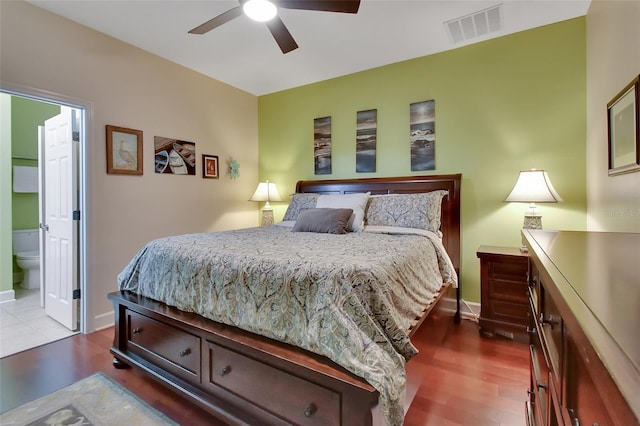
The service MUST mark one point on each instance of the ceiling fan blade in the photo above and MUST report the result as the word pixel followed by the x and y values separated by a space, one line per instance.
pixel 343 6
pixel 217 21
pixel 282 35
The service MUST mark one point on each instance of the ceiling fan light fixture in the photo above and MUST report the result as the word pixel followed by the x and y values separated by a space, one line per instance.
pixel 260 10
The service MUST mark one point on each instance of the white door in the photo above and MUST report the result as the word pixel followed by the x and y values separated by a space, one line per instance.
pixel 41 210
pixel 60 228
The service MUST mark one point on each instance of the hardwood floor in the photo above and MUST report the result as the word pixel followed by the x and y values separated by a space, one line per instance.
pixel 470 380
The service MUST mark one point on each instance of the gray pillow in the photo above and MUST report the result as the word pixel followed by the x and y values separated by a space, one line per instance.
pixel 326 220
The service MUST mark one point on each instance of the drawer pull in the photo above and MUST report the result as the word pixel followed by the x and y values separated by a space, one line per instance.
pixel 574 418
pixel 224 371
pixel 137 330
pixel 185 352
pixel 308 412
pixel 541 385
pixel 551 320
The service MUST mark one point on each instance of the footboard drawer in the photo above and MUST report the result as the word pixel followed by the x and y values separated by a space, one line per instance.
pixel 289 397
pixel 177 350
pixel 239 377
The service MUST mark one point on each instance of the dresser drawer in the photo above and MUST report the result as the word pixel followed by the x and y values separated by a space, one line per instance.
pixel 551 326
pixel 539 383
pixel 584 399
pixel 176 350
pixel 278 392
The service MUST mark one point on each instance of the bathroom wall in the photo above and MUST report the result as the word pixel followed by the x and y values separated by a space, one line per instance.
pixel 6 281
pixel 26 116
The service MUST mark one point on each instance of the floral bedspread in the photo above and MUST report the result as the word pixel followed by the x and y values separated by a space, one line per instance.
pixel 348 297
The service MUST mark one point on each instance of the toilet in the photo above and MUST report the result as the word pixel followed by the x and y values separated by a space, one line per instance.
pixel 26 247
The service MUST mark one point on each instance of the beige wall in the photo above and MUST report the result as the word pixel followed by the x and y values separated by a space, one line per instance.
pixel 128 87
pixel 613 60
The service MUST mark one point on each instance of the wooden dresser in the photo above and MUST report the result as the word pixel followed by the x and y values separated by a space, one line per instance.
pixel 584 293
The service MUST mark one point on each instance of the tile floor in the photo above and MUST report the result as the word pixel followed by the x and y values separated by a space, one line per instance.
pixel 25 325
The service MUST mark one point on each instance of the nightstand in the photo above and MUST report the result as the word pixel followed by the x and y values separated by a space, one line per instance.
pixel 504 291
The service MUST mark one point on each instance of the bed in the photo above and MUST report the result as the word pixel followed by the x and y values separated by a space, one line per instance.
pixel 274 326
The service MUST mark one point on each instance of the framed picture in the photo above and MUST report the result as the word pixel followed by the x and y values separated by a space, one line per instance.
pixel 322 145
pixel 210 167
pixel 422 127
pixel 124 151
pixel 366 137
pixel 623 120
pixel 174 156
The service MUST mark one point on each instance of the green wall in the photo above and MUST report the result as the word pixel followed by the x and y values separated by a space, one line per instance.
pixel 26 116
pixel 504 105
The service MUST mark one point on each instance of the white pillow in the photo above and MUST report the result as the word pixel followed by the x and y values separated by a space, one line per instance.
pixel 355 202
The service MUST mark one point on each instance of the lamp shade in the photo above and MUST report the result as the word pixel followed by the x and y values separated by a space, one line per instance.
pixel 266 191
pixel 533 186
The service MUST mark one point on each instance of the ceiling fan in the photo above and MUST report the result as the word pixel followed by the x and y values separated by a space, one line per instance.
pixel 267 11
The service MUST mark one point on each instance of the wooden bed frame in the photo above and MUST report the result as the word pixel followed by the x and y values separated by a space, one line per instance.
pixel 243 378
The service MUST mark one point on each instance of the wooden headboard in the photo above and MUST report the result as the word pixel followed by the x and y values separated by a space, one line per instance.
pixel 405 185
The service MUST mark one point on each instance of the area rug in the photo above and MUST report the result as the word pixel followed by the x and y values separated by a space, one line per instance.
pixel 94 401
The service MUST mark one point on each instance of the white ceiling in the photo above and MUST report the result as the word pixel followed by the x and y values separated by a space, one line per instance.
pixel 243 53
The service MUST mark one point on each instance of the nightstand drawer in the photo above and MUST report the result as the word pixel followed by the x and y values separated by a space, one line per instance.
pixel 509 291
pixel 509 311
pixel 509 270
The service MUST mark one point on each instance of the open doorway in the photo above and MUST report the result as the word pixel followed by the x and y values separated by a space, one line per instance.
pixel 26 318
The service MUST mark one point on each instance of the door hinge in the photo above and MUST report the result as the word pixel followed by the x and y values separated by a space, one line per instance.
pixel 76 215
pixel 76 294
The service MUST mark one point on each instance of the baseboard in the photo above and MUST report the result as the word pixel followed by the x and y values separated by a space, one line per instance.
pixel 468 310
pixel 7 296
pixel 102 321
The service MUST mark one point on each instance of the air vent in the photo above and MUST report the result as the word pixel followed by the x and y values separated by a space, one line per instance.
pixel 475 25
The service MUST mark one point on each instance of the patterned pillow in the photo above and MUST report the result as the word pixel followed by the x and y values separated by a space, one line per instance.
pixel 421 211
pixel 300 201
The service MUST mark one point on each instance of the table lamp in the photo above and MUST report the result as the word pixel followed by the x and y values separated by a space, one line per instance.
pixel 533 186
pixel 266 192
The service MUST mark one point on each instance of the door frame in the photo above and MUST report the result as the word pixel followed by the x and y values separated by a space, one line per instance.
pixel 86 126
